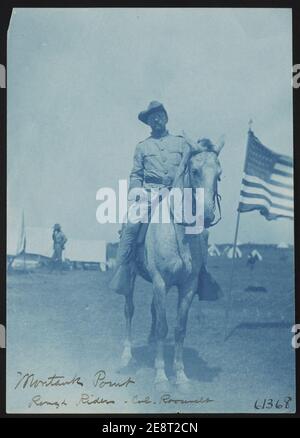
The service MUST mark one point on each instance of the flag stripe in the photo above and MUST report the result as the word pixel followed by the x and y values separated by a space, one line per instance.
pixel 277 171
pixel 262 202
pixel 255 190
pixel 282 189
pixel 284 168
pixel 243 207
pixel 270 192
pixel 256 195
pixel 287 161
pixel 287 181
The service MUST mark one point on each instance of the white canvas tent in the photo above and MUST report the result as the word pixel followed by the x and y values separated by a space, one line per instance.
pixel 26 247
pixel 225 250
pixel 39 242
pixel 257 254
pixel 86 251
pixel 238 253
pixel 213 251
pixel 282 245
pixel 15 236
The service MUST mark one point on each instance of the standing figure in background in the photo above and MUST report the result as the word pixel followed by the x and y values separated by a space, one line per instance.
pixel 59 241
pixel 251 261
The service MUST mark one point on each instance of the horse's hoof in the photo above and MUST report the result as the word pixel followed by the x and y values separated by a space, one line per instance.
pixel 126 359
pixel 182 380
pixel 160 379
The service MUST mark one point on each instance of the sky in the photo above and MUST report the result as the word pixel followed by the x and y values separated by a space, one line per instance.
pixel 77 79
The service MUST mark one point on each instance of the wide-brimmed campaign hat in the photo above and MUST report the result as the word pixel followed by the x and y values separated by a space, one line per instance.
pixel 152 107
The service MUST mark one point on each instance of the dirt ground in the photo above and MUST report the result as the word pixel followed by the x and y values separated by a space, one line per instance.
pixel 72 325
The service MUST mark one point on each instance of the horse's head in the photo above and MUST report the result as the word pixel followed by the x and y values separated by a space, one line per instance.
pixel 205 171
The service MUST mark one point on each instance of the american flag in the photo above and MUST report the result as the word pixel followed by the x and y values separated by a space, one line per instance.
pixel 267 183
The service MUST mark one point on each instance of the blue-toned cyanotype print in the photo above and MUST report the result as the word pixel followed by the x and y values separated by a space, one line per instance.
pixel 108 309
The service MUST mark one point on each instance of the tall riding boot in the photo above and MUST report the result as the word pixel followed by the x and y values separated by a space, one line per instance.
pixel 121 280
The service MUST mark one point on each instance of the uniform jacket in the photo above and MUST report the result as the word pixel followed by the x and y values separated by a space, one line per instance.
pixel 59 239
pixel 156 161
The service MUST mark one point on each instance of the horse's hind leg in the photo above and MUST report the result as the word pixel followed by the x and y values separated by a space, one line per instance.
pixel 161 327
pixel 185 297
pixel 129 311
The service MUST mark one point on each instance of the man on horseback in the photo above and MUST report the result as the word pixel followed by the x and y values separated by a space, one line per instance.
pixel 156 161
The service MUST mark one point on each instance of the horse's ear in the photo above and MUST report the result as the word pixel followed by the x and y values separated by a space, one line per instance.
pixel 219 146
pixel 195 146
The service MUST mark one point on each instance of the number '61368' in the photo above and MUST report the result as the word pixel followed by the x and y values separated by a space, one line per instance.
pixel 271 403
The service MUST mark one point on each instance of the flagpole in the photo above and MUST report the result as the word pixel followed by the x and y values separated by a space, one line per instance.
pixel 229 294
pixel 23 240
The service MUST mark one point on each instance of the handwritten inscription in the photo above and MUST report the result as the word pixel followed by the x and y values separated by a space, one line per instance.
pixel 101 383
pixel 29 380
pixel 37 400
pixel 90 399
pixel 100 380
pixel 167 399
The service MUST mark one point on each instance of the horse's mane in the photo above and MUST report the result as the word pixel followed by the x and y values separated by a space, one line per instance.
pixel 182 175
pixel 206 144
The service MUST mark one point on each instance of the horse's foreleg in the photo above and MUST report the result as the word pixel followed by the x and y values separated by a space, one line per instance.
pixel 152 334
pixel 161 327
pixel 129 311
pixel 185 298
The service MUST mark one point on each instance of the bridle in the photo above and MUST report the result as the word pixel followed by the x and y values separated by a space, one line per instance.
pixel 217 199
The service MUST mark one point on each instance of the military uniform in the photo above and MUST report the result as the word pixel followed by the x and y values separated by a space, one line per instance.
pixel 155 163
pixel 59 241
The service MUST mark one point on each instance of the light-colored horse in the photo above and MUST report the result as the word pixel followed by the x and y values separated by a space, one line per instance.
pixel 169 258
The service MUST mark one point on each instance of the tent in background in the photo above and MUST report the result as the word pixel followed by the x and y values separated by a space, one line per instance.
pixel 37 241
pixel 238 253
pixel 225 250
pixel 282 245
pixel 86 251
pixel 213 251
pixel 15 242
pixel 257 254
pixel 27 250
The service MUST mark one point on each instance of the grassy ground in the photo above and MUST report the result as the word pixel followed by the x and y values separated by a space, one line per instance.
pixel 71 324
